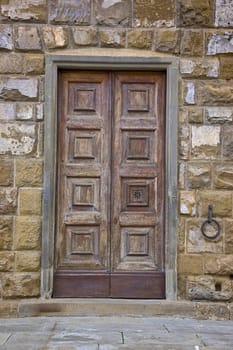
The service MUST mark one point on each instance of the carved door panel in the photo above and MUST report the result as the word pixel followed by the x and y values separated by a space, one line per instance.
pixel 109 234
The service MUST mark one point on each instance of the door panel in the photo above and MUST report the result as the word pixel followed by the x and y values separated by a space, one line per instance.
pixel 109 239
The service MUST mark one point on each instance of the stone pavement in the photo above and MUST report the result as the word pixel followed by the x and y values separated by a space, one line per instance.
pixel 112 333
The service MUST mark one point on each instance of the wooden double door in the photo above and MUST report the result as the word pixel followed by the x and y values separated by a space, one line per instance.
pixel 110 185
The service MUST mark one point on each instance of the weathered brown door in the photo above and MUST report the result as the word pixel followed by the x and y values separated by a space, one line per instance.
pixel 110 186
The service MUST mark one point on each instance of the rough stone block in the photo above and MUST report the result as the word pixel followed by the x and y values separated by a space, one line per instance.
pixel 16 89
pixel 39 111
pixel 229 236
pixel 7 111
pixel 219 43
pixel 112 38
pixel 215 92
pixel 167 40
pixel 6 232
pixel 209 288
pixel 149 13
pixel 26 261
pixel 198 68
pixel 27 233
pixel 29 201
pixel 227 141
pixel 140 39
pixel 189 92
pixel 7 260
pixel 70 11
pixel 27 38
pixel 25 10
pixel 29 172
pixel 184 137
pixel 226 67
pixel 205 142
pixel 195 115
pixel 187 203
pixel 113 13
pixel 11 63
pixel 212 311
pixel 190 264
pixel 20 285
pixel 219 265
pixel 219 115
pixel 223 176
pixel 17 139
pixel 198 175
pixel 6 37
pixel 6 172
pixel 196 13
pixel 192 43
pixel 197 243
pixel 224 13
pixel 182 172
pixel 24 111
pixel 181 235
pixel 8 200
pixel 85 36
pixel 34 63
pixel 220 200
pixel 54 36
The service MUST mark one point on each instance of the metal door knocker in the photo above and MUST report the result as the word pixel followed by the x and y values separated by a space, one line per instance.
pixel 210 225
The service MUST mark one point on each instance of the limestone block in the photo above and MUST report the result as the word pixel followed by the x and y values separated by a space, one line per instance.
pixel 6 37
pixel 219 43
pixel 112 38
pixel 29 172
pixel 226 67
pixel 224 13
pixel 24 111
pixel 6 232
pixel 39 111
pixel 25 10
pixel 27 38
pixel 196 13
pixel 182 172
pixel 209 288
pixel 20 285
pixel 7 261
pixel 85 36
pixel 181 235
pixel 34 63
pixel 195 115
pixel 189 92
pixel 70 11
pixel 149 13
pixel 27 233
pixel 220 200
pixel 140 39
pixel 54 36
pixel 6 172
pixel 205 143
pixel 184 136
pixel 190 264
pixel 27 261
pixel 8 200
pixel 197 243
pixel 113 12
pixel 11 63
pixel 227 141
pixel 219 311
pixel 7 111
pixel 16 89
pixel 219 115
pixel 198 175
pixel 192 42
pixel 17 138
pixel 229 236
pixel 219 264
pixel 29 201
pixel 223 176
pixel 167 40
pixel 198 68
pixel 215 92
pixel 187 203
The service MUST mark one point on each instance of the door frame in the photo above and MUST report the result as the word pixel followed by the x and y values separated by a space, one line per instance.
pixel 102 59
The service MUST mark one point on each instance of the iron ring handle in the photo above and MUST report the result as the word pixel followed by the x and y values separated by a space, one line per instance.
pixel 203 227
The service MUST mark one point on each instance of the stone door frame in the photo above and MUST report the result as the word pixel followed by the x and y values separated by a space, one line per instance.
pixel 102 59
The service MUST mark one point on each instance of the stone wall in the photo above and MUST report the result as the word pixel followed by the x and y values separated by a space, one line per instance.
pixel 200 33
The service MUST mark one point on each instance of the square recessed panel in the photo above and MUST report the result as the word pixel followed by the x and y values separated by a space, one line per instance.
pixel 137 244
pixel 138 195
pixel 83 194
pixel 85 100
pixel 139 146
pixel 84 146
pixel 82 243
pixel 138 100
